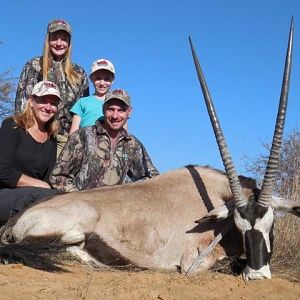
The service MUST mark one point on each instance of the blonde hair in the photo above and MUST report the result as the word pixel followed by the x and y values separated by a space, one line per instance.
pixel 72 75
pixel 26 120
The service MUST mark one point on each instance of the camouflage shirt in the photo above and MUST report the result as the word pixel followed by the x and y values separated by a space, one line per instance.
pixel 88 161
pixel 32 74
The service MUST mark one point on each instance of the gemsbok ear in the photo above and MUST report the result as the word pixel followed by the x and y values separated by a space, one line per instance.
pixel 286 206
pixel 220 213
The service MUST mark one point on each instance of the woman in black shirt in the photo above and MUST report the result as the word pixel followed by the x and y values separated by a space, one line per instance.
pixel 28 151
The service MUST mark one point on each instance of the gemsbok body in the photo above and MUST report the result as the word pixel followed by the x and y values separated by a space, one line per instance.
pixel 188 218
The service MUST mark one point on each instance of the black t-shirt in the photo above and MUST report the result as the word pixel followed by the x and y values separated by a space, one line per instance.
pixel 21 154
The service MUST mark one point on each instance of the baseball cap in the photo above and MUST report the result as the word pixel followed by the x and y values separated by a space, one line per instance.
pixel 44 88
pixel 59 24
pixel 118 94
pixel 102 64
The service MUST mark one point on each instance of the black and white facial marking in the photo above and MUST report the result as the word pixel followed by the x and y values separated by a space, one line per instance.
pixel 256 222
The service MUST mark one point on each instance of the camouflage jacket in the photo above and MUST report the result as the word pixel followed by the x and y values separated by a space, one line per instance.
pixel 32 74
pixel 88 161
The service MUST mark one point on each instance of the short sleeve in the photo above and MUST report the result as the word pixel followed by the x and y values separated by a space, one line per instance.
pixel 77 108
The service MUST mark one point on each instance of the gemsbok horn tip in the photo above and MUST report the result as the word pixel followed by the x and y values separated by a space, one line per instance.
pixel 274 157
pixel 235 185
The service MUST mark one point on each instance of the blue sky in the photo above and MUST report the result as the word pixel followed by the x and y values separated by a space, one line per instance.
pixel 241 46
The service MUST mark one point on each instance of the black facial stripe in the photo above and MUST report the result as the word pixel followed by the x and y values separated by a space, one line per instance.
pixel 256 249
pixel 252 211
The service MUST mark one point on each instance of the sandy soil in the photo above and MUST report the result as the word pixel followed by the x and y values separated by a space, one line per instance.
pixel 80 282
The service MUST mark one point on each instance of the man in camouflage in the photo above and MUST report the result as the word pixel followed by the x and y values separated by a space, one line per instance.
pixel 104 154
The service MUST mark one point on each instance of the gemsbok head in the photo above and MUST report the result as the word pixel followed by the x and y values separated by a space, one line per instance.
pixel 254 217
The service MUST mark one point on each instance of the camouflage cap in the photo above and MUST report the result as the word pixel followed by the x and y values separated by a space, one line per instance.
pixel 59 24
pixel 102 64
pixel 118 94
pixel 44 88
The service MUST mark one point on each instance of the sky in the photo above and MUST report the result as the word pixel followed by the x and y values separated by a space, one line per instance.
pixel 241 46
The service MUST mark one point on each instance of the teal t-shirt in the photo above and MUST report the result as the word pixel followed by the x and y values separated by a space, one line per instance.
pixel 89 109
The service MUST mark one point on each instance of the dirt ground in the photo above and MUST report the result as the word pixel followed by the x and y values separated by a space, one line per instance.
pixel 80 282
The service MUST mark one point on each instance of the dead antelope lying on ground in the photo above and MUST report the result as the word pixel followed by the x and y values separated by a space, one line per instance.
pixel 152 224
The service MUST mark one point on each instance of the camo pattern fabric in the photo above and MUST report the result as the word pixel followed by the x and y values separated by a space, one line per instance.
pixel 88 161
pixel 32 74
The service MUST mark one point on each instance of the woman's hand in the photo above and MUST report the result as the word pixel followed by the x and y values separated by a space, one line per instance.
pixel 30 181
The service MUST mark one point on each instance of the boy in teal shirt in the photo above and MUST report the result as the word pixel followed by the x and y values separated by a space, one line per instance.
pixel 87 110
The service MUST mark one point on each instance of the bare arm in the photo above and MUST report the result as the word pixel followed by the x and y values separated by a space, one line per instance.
pixel 75 123
pixel 30 181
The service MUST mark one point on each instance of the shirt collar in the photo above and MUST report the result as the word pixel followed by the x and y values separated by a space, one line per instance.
pixel 101 130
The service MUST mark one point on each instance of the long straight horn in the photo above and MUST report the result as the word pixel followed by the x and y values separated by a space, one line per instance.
pixel 234 182
pixel 272 166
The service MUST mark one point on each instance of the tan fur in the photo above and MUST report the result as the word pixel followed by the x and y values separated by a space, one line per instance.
pixel 149 224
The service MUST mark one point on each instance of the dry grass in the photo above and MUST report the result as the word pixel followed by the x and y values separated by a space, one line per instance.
pixel 286 255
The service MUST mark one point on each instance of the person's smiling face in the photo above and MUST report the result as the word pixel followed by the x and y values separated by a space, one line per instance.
pixel 59 42
pixel 102 80
pixel 44 107
pixel 116 113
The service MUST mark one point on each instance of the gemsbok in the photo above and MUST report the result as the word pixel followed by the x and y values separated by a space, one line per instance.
pixel 186 219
